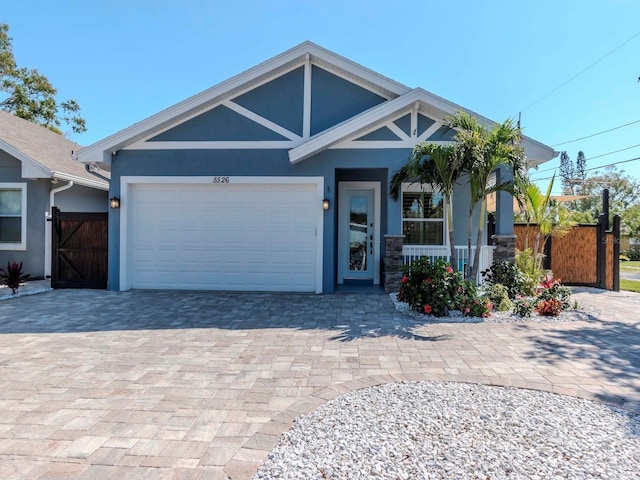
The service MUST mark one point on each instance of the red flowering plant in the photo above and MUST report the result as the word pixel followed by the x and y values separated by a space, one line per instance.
pixel 430 287
pixel 472 305
pixel 553 298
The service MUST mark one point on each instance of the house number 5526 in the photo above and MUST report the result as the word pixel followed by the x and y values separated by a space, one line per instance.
pixel 220 179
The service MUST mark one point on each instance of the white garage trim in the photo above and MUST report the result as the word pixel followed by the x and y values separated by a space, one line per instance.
pixel 126 184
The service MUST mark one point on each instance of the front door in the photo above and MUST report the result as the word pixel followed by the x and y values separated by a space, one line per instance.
pixel 358 231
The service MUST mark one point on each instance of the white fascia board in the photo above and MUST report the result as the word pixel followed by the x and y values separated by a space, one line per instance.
pixel 97 184
pixel 100 151
pixel 353 126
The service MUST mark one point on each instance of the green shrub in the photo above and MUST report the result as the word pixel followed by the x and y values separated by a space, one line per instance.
pixel 530 269
pixel 523 306
pixel 633 253
pixel 431 288
pixel 498 294
pixel 508 274
pixel 476 307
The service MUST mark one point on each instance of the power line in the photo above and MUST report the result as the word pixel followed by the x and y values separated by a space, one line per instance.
pixel 593 168
pixel 595 134
pixel 593 158
pixel 581 72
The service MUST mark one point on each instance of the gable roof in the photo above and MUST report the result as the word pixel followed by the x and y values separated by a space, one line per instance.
pixel 100 151
pixel 400 98
pixel 419 99
pixel 43 153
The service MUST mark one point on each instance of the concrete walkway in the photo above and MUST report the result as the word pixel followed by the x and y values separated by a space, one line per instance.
pixel 134 385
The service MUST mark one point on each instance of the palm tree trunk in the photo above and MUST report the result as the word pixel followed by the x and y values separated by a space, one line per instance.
pixel 476 256
pixel 452 246
pixel 469 230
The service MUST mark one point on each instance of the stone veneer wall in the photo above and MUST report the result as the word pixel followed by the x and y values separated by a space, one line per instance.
pixel 505 248
pixel 393 262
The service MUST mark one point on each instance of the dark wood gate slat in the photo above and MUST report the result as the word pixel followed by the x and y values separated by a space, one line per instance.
pixel 79 249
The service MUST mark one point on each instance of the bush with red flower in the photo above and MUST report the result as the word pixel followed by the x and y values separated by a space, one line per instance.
pixel 435 289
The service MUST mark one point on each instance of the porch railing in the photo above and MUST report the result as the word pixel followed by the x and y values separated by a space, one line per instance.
pixel 413 252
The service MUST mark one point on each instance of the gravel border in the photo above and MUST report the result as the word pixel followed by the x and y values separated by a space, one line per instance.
pixel 443 430
pixel 570 315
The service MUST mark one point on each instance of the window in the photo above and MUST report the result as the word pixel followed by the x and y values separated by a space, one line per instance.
pixel 13 216
pixel 422 215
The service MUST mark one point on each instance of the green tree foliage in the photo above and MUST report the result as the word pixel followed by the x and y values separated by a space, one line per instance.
pixel 580 172
pixel 624 191
pixel 631 218
pixel 28 94
pixel 483 152
pixel 566 172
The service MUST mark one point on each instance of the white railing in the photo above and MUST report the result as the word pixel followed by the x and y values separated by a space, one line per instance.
pixel 414 252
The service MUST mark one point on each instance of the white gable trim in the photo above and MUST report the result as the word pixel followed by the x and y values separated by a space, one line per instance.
pixel 215 145
pixel 427 103
pixel 100 152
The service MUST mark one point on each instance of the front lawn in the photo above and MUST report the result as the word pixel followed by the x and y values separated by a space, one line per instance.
pixel 630 267
pixel 629 285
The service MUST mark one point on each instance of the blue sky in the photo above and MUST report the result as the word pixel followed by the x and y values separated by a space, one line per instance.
pixel 124 60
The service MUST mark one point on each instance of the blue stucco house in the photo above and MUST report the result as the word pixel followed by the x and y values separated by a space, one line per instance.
pixel 277 180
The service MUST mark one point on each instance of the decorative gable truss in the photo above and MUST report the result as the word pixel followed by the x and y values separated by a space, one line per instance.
pixel 404 131
pixel 281 111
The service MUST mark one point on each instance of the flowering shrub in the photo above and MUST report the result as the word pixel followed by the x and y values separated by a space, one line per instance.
pixel 523 306
pixel 498 295
pixel 553 298
pixel 431 288
pixel 476 307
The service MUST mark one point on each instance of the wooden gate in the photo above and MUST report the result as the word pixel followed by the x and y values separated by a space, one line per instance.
pixel 79 249
pixel 588 255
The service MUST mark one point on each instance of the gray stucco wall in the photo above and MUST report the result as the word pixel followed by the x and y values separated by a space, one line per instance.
pixel 82 199
pixel 37 204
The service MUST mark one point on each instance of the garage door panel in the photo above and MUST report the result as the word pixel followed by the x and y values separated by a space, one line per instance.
pixel 223 237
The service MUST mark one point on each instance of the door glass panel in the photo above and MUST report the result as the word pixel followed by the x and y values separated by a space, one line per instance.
pixel 358 218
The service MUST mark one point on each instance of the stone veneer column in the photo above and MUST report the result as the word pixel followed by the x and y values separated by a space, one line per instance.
pixel 505 248
pixel 393 262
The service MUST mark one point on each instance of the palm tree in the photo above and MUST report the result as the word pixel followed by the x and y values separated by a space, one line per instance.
pixel 435 165
pixel 482 152
pixel 539 209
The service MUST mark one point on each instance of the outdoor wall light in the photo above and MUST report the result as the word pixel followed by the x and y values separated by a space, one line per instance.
pixel 114 202
pixel 325 204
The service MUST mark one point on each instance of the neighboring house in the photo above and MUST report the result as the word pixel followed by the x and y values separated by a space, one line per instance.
pixel 277 180
pixel 36 173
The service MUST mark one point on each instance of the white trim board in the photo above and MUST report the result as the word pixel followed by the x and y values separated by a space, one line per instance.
pixel 22 245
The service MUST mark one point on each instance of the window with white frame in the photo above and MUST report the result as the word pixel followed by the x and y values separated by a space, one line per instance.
pixel 422 215
pixel 13 216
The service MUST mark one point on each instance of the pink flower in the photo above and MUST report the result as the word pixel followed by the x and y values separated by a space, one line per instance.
pixel 428 280
pixel 427 309
pixel 449 269
pixel 467 310
pixel 405 279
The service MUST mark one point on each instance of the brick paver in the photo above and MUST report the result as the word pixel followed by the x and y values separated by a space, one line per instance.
pixel 97 384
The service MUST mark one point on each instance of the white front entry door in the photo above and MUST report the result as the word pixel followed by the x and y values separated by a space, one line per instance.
pixel 359 231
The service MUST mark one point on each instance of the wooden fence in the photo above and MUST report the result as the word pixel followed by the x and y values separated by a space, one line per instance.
pixel 588 255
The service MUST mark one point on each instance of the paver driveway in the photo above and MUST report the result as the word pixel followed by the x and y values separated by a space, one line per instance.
pixel 97 384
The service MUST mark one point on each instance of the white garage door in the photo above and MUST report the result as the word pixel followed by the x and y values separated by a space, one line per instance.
pixel 249 237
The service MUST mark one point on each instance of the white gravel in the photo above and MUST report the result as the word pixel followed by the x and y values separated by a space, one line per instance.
pixel 440 430
pixel 570 315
